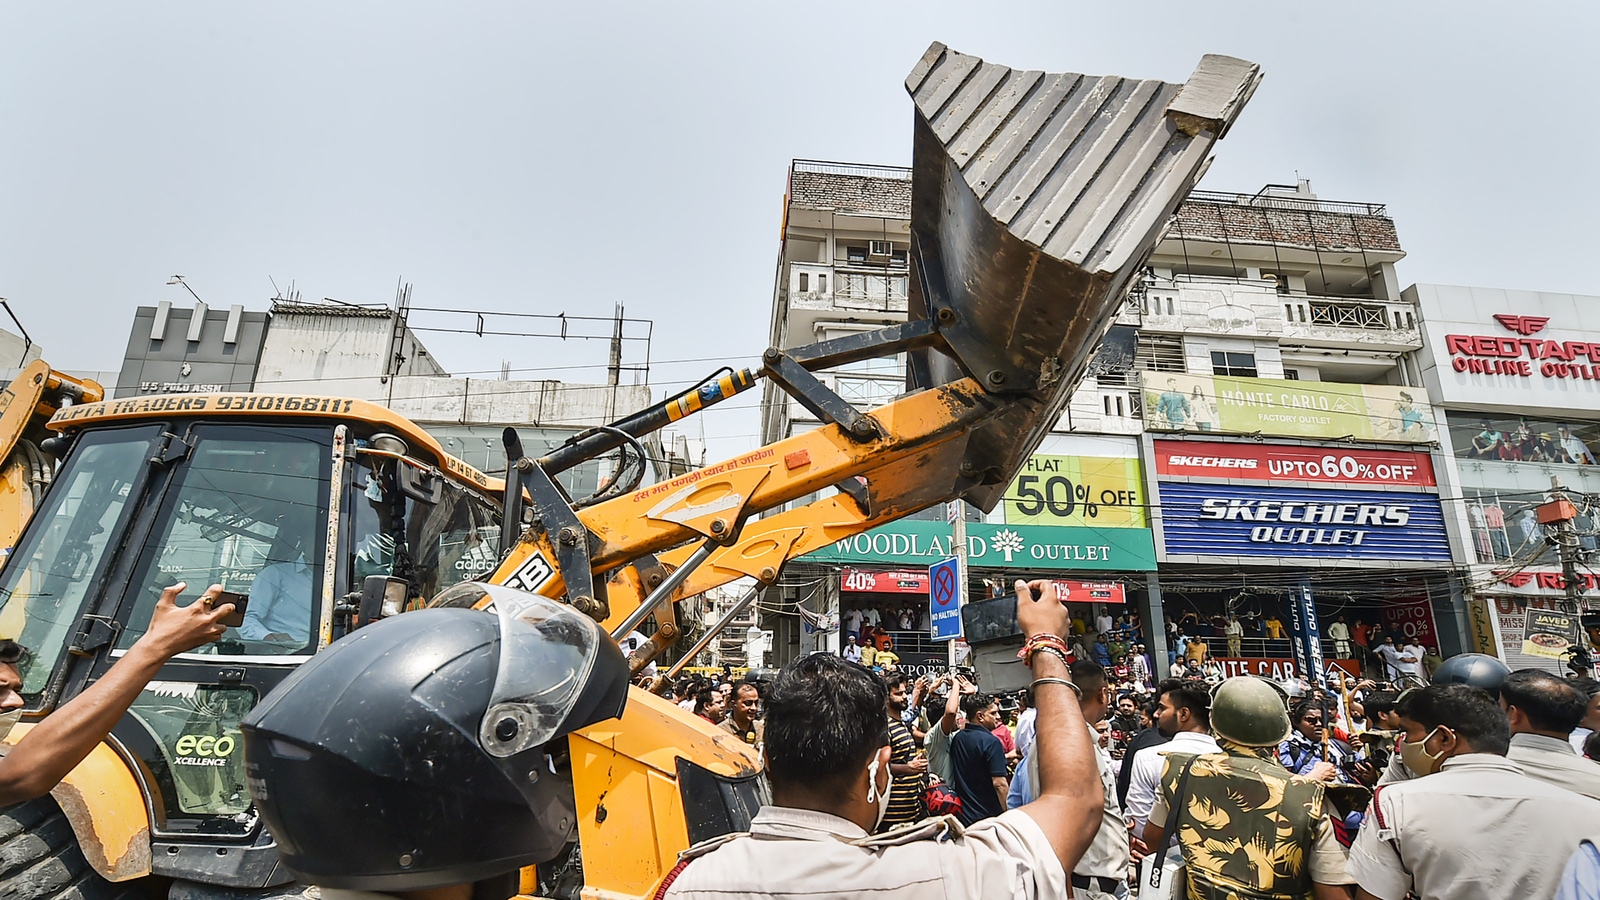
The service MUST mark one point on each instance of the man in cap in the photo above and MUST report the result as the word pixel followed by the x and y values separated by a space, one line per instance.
pixel 1471 825
pixel 1543 709
pixel 1243 822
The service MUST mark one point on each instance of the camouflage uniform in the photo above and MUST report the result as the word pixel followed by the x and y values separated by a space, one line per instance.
pixel 1249 829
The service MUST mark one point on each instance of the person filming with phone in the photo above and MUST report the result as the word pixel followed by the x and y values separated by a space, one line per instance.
pixel 36 763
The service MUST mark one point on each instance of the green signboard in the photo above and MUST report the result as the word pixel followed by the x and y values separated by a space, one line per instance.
pixel 1022 547
pixel 1216 404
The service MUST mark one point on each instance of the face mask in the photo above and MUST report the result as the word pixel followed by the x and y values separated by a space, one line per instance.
pixel 875 793
pixel 1418 759
pixel 7 720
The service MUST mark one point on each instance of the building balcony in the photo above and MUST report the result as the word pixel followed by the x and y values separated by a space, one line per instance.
pixel 820 287
pixel 1321 320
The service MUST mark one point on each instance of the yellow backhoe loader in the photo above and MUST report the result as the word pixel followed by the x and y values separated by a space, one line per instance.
pixel 26 404
pixel 1036 198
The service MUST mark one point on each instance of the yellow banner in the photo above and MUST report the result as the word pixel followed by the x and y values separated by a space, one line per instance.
pixel 1217 404
pixel 1098 491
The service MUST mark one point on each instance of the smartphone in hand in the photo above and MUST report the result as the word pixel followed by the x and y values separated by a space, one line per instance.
pixel 240 603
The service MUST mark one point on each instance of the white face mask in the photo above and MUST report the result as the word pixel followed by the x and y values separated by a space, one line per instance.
pixel 878 794
pixel 9 719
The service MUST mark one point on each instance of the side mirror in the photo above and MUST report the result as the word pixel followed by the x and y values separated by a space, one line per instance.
pixel 420 484
pixel 381 596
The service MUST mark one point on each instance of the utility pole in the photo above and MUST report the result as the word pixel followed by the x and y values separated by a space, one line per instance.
pixel 956 512
pixel 1561 513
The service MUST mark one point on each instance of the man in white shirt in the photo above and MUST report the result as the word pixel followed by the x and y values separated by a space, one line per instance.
pixel 1103 623
pixel 852 648
pixel 851 621
pixel 1543 709
pixel 1184 713
pixel 1390 654
pixel 1576 449
pixel 1410 661
pixel 1339 633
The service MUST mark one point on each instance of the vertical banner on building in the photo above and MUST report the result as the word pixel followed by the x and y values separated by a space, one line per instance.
pixel 1307 636
pixel 1481 620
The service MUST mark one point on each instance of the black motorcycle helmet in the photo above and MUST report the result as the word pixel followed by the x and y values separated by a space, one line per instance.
pixel 412 753
pixel 1476 669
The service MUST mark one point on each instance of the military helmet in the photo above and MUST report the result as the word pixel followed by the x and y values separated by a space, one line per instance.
pixel 1475 669
pixel 1249 711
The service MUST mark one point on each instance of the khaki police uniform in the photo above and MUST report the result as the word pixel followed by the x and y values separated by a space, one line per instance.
pixel 1551 760
pixel 755 736
pixel 1477 829
pixel 804 853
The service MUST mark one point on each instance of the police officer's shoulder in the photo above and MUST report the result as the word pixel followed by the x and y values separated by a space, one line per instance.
pixel 710 844
pixel 932 829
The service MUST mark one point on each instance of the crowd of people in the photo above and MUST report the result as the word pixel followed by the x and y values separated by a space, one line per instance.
pixel 1483 784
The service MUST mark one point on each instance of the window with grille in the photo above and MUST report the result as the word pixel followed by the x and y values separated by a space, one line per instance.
pixel 1237 365
pixel 1159 353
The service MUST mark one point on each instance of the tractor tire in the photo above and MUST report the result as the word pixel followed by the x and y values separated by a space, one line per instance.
pixel 40 858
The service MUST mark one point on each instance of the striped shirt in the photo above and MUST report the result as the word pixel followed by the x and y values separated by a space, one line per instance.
pixel 905 795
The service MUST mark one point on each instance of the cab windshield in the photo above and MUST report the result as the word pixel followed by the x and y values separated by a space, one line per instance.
pixel 247 510
pixel 46 578
pixel 244 507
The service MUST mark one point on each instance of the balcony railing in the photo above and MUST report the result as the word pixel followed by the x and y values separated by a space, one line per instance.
pixel 1280 201
pixel 856 290
pixel 1356 315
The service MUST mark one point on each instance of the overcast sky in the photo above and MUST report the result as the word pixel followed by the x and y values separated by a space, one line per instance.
pixel 549 158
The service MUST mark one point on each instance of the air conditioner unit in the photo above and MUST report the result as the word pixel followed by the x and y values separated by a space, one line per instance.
pixel 879 249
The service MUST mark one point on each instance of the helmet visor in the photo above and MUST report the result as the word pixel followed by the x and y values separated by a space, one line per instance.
pixel 547 653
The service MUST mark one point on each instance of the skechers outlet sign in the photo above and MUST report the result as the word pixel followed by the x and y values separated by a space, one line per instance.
pixel 1241 521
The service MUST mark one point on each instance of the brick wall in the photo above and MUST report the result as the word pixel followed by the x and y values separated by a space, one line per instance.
pixel 851 193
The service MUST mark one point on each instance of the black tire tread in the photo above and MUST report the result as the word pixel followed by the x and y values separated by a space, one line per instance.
pixel 40 858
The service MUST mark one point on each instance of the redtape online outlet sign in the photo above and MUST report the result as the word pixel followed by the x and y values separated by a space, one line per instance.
pixel 1291 462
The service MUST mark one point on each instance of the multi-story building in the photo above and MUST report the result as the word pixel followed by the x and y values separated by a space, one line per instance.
pixel 1075 513
pixel 1292 448
pixel 1273 430
pixel 1518 376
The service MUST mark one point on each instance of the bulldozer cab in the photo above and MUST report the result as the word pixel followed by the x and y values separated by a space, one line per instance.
pixel 293 513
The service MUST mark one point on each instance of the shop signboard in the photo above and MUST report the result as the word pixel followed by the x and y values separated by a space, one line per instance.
pixel 1262 522
pixel 1529 631
pixel 1100 491
pixel 908 543
pixel 1292 462
pixel 1540 583
pixel 1518 350
pixel 1218 404
pixel 1547 633
pixel 1410 618
pixel 867 581
pixel 1279 669
pixel 1092 592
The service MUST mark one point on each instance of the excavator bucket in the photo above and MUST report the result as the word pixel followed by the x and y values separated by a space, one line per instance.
pixel 1035 199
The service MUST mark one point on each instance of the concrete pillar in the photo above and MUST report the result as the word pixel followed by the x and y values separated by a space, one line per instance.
pixel 1154 616
pixel 1385 283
